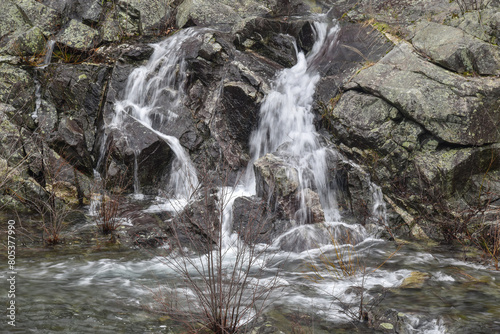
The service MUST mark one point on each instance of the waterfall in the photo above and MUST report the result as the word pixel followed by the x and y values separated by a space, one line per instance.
pixel 38 98
pixel 49 49
pixel 286 125
pixel 153 95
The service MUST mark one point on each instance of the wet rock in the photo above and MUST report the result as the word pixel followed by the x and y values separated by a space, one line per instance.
pixel 70 141
pixel 197 226
pixel 224 92
pixel 454 49
pixel 277 183
pixel 145 231
pixel 416 280
pixel 275 39
pixel 253 222
pixel 275 177
pixel 358 45
pixel 78 36
pixel 77 93
pixel 135 149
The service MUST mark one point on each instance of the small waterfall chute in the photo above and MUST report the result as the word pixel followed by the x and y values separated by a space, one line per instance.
pixel 153 95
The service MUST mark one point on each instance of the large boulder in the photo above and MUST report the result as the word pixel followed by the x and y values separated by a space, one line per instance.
pixel 358 46
pixel 17 88
pixel 206 13
pixel 155 15
pixel 121 21
pixel 455 50
pixel 137 157
pixel 277 182
pixel 425 134
pixel 455 109
pixel 41 16
pixel 12 19
pixel 76 93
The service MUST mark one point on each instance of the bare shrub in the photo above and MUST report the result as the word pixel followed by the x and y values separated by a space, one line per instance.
pixel 223 272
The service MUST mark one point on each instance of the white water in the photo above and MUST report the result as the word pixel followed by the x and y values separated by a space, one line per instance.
pixel 153 95
pixel 38 99
pixel 49 49
pixel 286 125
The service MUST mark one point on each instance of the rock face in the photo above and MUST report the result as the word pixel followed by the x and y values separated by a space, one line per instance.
pixel 456 50
pixel 409 94
pixel 415 126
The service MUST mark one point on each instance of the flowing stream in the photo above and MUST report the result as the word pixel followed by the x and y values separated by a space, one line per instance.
pixel 90 291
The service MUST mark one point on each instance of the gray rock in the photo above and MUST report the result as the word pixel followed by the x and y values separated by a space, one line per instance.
pixel 454 110
pixel 12 19
pixel 17 89
pixel 154 15
pixel 121 21
pixel 27 43
pixel 78 36
pixel 78 92
pixel 206 13
pixel 483 24
pixel 137 146
pixel 40 15
pixel 454 49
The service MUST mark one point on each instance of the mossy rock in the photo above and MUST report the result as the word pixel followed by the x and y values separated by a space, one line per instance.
pixel 78 36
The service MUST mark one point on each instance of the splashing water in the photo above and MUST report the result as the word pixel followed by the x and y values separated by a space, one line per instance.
pixel 286 126
pixel 49 49
pixel 153 96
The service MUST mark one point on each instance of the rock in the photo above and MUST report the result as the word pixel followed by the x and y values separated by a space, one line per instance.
pixel 17 89
pixel 12 19
pixel 358 45
pixel 155 15
pixel 41 16
pixel 90 11
pixel 27 43
pixel 483 24
pixel 252 221
pixel 134 149
pixel 122 21
pixel 77 93
pixel 416 280
pixel 454 49
pixel 197 226
pixel 314 212
pixel 206 13
pixel 455 110
pixel 70 141
pixel 275 177
pixel 145 230
pixel 238 117
pixel 275 39
pixel 78 36
pixel 224 92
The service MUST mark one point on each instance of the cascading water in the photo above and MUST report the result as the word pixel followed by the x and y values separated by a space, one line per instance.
pixel 286 125
pixel 49 49
pixel 153 95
